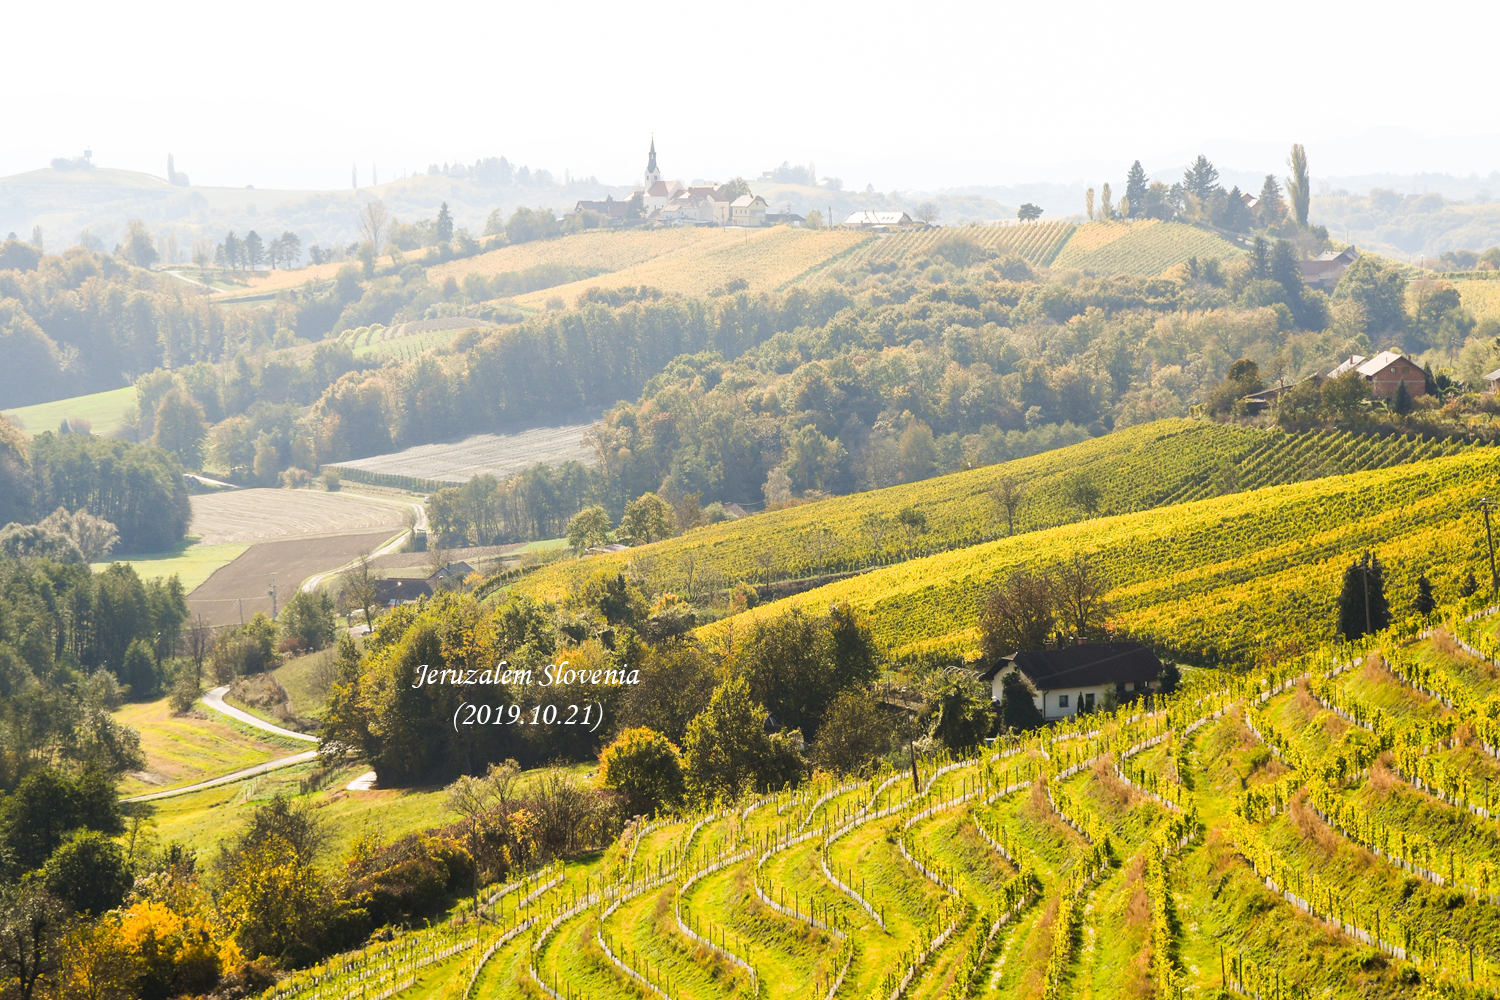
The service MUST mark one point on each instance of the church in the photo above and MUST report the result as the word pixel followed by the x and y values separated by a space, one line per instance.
pixel 675 203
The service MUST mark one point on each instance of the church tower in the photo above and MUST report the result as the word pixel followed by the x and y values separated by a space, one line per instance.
pixel 652 174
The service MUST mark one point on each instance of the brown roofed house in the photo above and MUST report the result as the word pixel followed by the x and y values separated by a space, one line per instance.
pixel 1325 270
pixel 1385 372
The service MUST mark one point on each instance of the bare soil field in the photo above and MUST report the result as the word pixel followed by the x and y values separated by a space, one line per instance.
pixel 500 455
pixel 246 581
pixel 256 515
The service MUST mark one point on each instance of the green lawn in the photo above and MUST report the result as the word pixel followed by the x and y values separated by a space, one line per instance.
pixel 185 749
pixel 104 410
pixel 193 563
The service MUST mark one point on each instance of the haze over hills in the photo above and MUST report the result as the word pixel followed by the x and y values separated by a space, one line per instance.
pixel 1436 212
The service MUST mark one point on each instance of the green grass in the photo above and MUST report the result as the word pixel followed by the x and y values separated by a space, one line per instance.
pixel 105 412
pixel 304 679
pixel 183 750
pixel 191 562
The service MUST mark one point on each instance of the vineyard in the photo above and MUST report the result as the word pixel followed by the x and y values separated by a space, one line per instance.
pixel 1249 835
pixel 1037 242
pixel 1214 580
pixel 718 260
pixel 1144 247
pixel 1480 297
pixel 406 341
pixel 1131 474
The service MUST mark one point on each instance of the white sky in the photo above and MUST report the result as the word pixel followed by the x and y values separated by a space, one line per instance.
pixel 290 94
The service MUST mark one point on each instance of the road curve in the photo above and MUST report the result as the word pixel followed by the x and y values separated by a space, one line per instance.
pixel 214 699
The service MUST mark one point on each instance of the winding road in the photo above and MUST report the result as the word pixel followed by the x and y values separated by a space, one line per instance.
pixel 214 699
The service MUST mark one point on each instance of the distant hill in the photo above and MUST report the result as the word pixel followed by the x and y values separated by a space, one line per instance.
pixel 103 200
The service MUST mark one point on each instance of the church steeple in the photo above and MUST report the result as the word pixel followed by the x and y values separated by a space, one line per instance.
pixel 652 174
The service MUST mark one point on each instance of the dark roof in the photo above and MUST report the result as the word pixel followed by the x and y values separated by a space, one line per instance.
pixel 1092 664
pixel 399 590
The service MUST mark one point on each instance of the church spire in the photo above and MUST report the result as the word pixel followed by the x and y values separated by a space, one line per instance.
pixel 652 174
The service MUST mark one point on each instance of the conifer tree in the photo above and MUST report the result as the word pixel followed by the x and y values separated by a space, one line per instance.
pixel 444 228
pixel 1135 189
pixel 1363 609
pixel 1425 601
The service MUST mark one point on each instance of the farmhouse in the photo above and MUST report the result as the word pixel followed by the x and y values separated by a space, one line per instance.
pixel 1385 372
pixel 872 220
pixel 1325 270
pixel 1492 381
pixel 1073 679
pixel 748 210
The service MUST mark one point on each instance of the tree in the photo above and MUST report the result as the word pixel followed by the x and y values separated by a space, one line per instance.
pixel 30 925
pixel 473 798
pixel 180 428
pixel 1470 586
pixel 1106 203
pixel 727 751
pixel 1379 290
pixel 1299 184
pixel 814 219
pixel 1201 179
pixel 1402 403
pixel 33 541
pixel 1078 589
pixel 796 664
pixel 89 873
pixel 1017 615
pixel 1362 605
pixel 138 670
pixel 928 213
pixel 291 248
pixel 443 228
pixel 1234 216
pixel 1271 207
pixel 588 528
pixel 94 536
pixel 47 806
pixel 677 681
pixel 372 224
pixel 1029 212
pixel 1343 397
pixel 916 452
pixel 1135 189
pixel 736 188
pixel 914 523
pixel 1018 709
pixel 961 714
pixel 1082 492
pixel 255 250
pixel 643 765
pixel 1088 203
pixel 1425 602
pixel 357 586
pixel 139 248
pixel 648 518
pixel 308 618
pixel 1008 494
pixel 854 734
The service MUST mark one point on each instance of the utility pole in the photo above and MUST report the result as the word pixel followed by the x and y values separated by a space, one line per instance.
pixel 1484 504
pixel 272 594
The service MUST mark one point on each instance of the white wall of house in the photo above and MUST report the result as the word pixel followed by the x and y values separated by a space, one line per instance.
pixel 1064 703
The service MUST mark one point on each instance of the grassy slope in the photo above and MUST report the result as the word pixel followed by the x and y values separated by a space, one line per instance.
pixel 192 563
pixel 105 411
pixel 182 750
pixel 1144 247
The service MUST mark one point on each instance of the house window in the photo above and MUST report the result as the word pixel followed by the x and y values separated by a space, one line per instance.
pixel 1062 701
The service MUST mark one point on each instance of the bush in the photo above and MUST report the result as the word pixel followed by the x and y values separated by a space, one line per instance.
pixel 185 692
pixel 643 765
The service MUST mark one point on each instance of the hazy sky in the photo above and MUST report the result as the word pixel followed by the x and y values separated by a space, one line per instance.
pixel 290 94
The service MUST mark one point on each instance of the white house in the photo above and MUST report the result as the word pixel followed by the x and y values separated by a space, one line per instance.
pixel 870 220
pixel 1070 679
pixel 747 210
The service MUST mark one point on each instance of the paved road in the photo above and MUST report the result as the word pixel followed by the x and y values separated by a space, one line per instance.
pixel 214 699
pixel 249 772
pixel 314 582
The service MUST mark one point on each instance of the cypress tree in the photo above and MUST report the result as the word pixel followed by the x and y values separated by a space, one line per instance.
pixel 1365 576
pixel 1425 601
pixel 1135 190
pixel 1402 404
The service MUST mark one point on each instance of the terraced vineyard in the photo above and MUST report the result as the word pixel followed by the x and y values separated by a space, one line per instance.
pixel 1144 247
pixel 1037 242
pixel 1243 835
pixel 1134 472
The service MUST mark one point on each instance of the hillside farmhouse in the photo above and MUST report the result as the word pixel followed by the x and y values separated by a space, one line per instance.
pixel 1325 270
pixel 1073 679
pixel 1386 372
pixel 879 220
